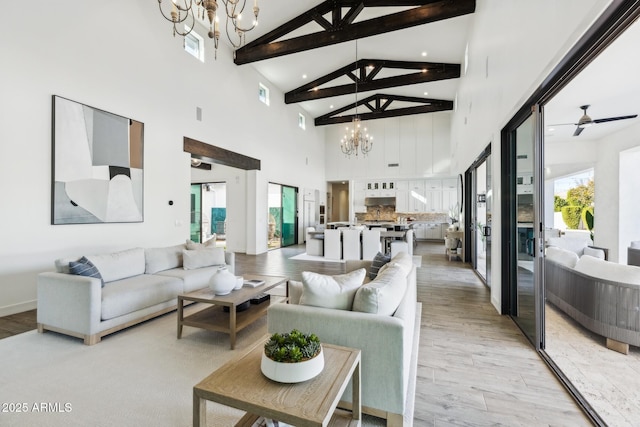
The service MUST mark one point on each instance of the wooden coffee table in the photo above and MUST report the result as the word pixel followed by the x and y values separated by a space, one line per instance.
pixel 241 384
pixel 215 318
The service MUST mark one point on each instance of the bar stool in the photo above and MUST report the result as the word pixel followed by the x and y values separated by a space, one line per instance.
pixel 351 244
pixel 332 244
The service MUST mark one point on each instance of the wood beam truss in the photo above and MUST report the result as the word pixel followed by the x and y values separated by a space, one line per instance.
pixel 378 108
pixel 342 27
pixel 364 71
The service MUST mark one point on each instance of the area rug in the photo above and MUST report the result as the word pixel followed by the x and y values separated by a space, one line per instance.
pixel 305 257
pixel 142 376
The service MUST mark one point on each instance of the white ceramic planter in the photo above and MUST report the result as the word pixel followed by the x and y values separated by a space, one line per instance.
pixel 292 372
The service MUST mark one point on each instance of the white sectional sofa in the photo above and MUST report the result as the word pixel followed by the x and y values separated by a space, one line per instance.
pixel 388 341
pixel 134 285
pixel 602 296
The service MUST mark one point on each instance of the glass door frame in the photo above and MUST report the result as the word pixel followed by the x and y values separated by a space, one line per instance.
pixel 471 213
pixel 291 239
pixel 606 28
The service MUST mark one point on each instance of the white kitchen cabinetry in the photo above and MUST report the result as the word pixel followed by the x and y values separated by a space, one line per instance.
pixel 420 231
pixel 402 201
pixel 417 199
pixel 358 201
pixel 433 200
pixel 428 231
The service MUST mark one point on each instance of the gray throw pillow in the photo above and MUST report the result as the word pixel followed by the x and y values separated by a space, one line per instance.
pixel 84 267
pixel 378 261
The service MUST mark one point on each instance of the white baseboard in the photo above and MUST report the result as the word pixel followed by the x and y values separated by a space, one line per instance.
pixel 8 310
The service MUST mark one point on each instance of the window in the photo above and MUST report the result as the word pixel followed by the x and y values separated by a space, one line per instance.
pixel 302 121
pixel 194 44
pixel 263 94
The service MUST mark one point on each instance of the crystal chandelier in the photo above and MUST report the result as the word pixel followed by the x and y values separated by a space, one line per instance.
pixel 356 137
pixel 184 12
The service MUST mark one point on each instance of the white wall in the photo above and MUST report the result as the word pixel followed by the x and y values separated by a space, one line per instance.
pixel 616 198
pixel 120 56
pixel 513 46
pixel 419 144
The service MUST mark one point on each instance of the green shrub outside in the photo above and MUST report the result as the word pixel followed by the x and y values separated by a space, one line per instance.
pixel 571 216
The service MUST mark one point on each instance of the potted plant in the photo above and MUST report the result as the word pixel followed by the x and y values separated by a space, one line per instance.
pixel 292 357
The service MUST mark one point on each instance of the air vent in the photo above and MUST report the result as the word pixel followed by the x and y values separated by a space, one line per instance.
pixel 393 165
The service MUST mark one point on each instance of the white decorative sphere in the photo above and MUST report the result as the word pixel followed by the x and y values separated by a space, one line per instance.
pixel 222 282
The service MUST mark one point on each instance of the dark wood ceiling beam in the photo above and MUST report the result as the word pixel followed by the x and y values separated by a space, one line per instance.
pixel 381 109
pixel 266 47
pixel 212 154
pixel 435 72
pixel 322 22
pixel 352 15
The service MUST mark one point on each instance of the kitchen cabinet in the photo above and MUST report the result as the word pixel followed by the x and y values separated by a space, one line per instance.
pixel 433 201
pixel 433 184
pixel 358 201
pixel 417 199
pixel 428 231
pixel 402 201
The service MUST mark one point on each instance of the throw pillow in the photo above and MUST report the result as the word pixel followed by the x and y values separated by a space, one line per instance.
pixel 562 256
pixel 193 246
pixel 295 291
pixel 402 259
pixel 383 294
pixel 335 292
pixel 192 259
pixel 378 261
pixel 84 267
pixel 160 259
pixel 119 265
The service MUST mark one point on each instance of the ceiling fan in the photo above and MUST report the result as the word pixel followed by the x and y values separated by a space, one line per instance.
pixel 586 121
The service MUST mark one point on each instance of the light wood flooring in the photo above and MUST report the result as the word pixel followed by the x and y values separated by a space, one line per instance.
pixel 475 367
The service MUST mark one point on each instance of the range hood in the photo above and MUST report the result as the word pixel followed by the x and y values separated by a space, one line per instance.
pixel 380 201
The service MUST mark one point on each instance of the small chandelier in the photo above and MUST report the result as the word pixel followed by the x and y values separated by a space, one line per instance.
pixel 186 11
pixel 356 138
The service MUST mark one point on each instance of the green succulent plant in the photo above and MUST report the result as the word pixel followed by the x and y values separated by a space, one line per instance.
pixel 292 347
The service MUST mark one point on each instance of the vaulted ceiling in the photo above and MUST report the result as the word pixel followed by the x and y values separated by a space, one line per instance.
pixel 401 56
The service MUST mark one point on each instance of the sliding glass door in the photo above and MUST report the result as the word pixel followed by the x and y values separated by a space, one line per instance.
pixel 523 225
pixel 283 216
pixel 480 224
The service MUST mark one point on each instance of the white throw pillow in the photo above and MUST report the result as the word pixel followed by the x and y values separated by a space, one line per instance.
pixel 562 256
pixel 402 259
pixel 383 294
pixel 202 258
pixel 596 253
pixel 160 259
pixel 335 292
pixel 193 246
pixel 119 265
pixel 295 292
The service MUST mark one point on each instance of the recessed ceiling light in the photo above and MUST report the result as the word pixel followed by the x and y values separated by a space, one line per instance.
pixel 331 106
pixel 304 76
pixel 424 70
pixel 426 93
pixel 424 53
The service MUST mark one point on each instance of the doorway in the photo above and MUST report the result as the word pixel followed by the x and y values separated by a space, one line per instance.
pixel 480 223
pixel 282 216
pixel 208 212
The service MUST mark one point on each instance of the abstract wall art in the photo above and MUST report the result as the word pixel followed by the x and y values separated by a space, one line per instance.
pixel 97 170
